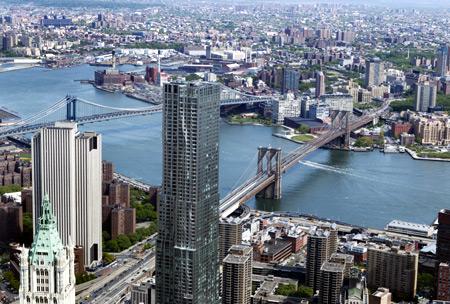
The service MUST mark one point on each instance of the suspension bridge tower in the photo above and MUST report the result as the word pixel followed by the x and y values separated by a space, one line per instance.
pixel 269 163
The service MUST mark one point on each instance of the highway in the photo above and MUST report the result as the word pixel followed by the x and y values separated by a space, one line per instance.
pixel 117 288
pixel 127 263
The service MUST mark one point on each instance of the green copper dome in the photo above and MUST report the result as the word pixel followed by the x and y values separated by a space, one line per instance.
pixel 46 241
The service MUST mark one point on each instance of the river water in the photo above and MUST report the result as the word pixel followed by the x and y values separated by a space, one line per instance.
pixel 367 189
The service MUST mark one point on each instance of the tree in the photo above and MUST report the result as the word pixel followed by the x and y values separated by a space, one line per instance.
pixel 9 188
pixel 112 246
pixel 108 258
pixel 192 77
pixel 364 141
pixel 27 234
pixel 123 242
pixel 303 129
pixel 305 291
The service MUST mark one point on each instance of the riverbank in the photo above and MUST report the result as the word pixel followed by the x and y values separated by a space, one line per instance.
pixel 297 138
pixel 415 156
pixel 17 68
pixel 248 119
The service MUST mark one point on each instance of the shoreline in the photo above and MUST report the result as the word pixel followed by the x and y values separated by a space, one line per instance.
pixel 17 68
pixel 414 156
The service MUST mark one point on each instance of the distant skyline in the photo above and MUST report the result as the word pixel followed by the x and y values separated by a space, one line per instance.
pixel 143 3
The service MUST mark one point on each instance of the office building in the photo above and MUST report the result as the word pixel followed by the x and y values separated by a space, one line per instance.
pixel 394 269
pixel 53 155
pixel 187 257
pixel 67 167
pixel 237 275
pixel 290 81
pixel 380 296
pixel 322 243
pixel 88 195
pixel 374 72
pixel 331 281
pixel 426 94
pixel 320 84
pixel 144 293
pixel 47 269
pixel 443 62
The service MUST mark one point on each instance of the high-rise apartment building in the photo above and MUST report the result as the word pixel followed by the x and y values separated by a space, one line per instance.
pixel 67 167
pixel 321 245
pixel 230 233
pixel 47 269
pixel 443 61
pixel 443 282
pixel 374 72
pixel 237 275
pixel 320 84
pixel 331 281
pixel 426 94
pixel 290 81
pixel 443 236
pixel 394 269
pixel 187 259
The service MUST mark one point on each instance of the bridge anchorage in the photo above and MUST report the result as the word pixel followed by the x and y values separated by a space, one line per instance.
pixel 340 120
pixel 270 158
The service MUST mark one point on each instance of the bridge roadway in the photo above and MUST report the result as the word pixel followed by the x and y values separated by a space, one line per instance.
pixel 31 128
pixel 254 185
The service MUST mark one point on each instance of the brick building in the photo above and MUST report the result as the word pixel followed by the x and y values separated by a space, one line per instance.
pixel 11 223
pixel 123 221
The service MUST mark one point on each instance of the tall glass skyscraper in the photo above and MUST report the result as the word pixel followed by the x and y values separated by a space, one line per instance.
pixel 187 247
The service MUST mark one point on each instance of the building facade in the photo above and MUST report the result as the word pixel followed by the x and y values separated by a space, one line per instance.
pixel 321 245
pixel 374 72
pixel 443 62
pixel 394 269
pixel 320 84
pixel 237 275
pixel 187 258
pixel 47 269
pixel 67 166
pixel 331 281
pixel 426 94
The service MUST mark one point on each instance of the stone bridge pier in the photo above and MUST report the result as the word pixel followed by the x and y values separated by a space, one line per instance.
pixel 269 163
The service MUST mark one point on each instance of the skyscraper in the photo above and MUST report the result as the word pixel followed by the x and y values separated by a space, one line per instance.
pixel 187 246
pixel 53 155
pixel 426 94
pixel 443 61
pixel 88 195
pixel 47 269
pixel 67 166
pixel 321 245
pixel 374 72
pixel 237 275
pixel 320 84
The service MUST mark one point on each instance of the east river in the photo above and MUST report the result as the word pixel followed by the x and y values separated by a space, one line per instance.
pixel 368 189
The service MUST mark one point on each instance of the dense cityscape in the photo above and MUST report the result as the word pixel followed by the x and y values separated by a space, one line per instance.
pixel 235 152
